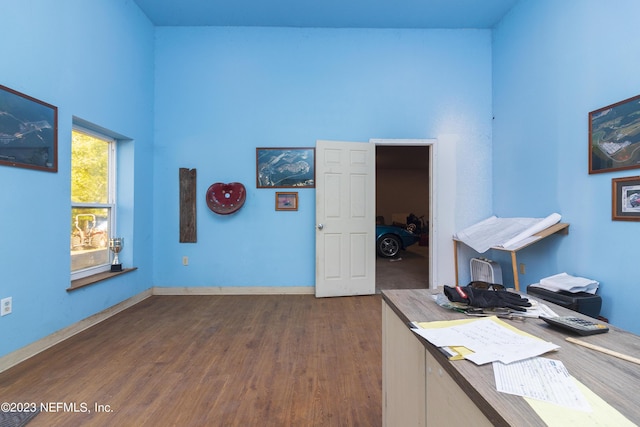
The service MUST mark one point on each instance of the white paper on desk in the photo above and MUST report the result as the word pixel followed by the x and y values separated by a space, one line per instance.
pixel 569 283
pixel 503 232
pixel 488 340
pixel 542 379
pixel 537 309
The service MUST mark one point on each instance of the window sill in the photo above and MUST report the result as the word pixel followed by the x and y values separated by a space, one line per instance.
pixel 95 278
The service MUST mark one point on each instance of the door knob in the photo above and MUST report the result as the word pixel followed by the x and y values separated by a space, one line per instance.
pixel 320 226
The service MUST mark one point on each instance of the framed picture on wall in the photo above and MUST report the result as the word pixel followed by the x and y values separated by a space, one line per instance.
pixel 614 137
pixel 286 201
pixel 285 168
pixel 625 199
pixel 28 132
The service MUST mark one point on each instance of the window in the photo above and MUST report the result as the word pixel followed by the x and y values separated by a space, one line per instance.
pixel 93 198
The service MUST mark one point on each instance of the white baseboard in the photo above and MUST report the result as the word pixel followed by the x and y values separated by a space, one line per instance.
pixel 239 290
pixel 39 346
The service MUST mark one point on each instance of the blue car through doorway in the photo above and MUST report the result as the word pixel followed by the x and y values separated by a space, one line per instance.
pixel 391 239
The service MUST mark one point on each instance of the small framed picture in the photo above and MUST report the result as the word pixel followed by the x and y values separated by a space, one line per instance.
pixel 625 196
pixel 286 201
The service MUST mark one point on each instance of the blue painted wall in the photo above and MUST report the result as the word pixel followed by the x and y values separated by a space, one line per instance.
pixel 553 63
pixel 222 92
pixel 93 60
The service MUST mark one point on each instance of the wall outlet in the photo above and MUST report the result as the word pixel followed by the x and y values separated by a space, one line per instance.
pixel 523 268
pixel 6 306
pixel 185 260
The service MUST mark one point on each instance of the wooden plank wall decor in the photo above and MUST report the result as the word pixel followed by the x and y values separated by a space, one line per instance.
pixel 188 206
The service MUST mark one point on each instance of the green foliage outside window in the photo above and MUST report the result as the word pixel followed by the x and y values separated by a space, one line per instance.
pixel 89 169
pixel 90 222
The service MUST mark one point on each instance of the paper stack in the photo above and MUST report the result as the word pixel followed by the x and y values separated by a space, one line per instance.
pixel 569 283
pixel 507 233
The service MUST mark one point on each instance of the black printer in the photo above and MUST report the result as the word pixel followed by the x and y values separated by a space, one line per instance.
pixel 582 302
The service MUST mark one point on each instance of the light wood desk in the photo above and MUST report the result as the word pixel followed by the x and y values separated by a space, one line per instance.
pixel 558 228
pixel 421 387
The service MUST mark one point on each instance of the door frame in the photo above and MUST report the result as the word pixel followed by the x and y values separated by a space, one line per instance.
pixel 434 196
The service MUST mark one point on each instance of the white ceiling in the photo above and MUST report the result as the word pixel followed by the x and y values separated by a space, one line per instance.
pixel 328 13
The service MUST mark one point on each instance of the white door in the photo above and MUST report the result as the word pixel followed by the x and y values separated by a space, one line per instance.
pixel 345 223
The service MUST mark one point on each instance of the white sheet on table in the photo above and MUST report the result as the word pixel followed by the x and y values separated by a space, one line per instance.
pixel 508 233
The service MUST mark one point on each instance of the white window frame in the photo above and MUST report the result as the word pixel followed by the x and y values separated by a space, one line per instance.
pixel 111 200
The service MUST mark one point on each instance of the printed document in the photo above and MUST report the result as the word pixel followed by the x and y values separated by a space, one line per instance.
pixel 489 341
pixel 542 379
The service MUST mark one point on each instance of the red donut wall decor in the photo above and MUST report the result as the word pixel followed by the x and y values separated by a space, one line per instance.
pixel 225 199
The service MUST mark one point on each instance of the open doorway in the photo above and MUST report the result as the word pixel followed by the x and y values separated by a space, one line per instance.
pixel 402 188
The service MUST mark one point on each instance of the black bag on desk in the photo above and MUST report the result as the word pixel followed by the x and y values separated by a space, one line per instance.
pixel 582 302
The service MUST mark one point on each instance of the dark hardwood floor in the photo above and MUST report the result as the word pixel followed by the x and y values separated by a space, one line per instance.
pixel 267 360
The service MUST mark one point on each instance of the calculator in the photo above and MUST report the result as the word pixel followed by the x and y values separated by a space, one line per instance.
pixel 577 325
